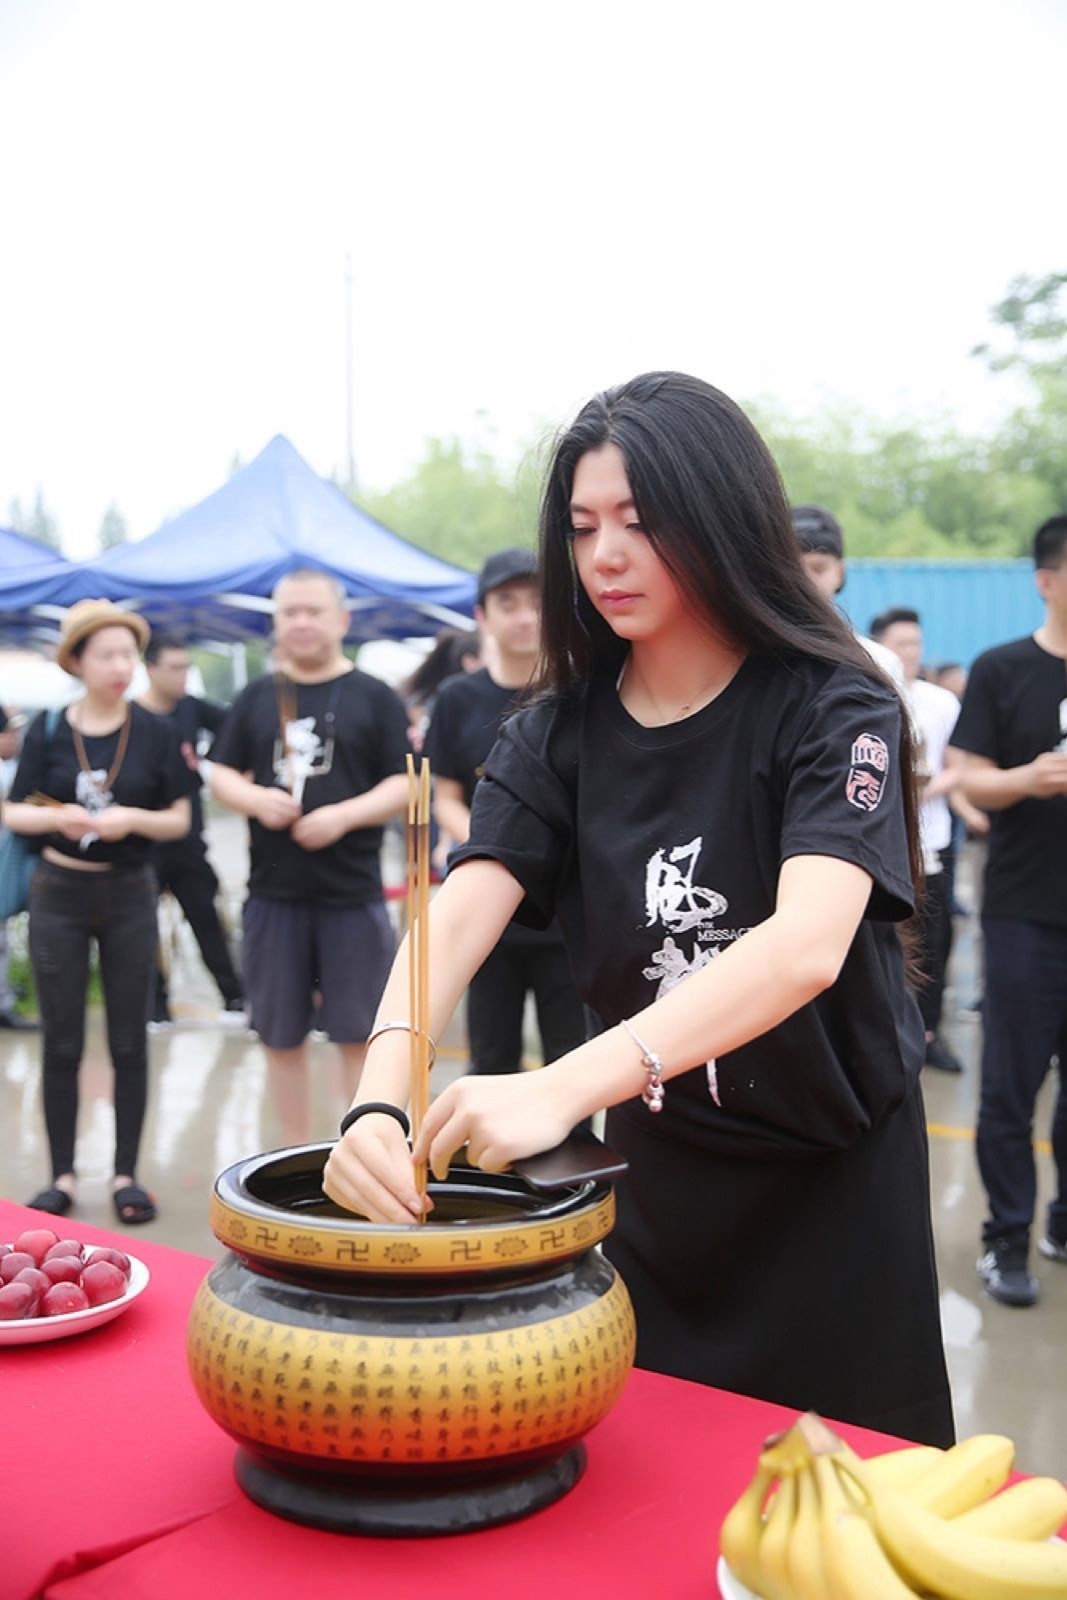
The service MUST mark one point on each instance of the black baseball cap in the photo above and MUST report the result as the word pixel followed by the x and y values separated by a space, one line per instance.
pixel 817 530
pixel 513 565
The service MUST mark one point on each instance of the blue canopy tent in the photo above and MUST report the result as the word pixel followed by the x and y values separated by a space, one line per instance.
pixel 31 575
pixel 211 569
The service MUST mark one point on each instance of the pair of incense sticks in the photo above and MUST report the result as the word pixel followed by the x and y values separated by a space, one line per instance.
pixel 418 843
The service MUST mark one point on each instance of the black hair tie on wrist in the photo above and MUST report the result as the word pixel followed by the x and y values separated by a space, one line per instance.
pixel 375 1106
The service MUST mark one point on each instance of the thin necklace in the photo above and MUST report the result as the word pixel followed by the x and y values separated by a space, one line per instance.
pixel 697 702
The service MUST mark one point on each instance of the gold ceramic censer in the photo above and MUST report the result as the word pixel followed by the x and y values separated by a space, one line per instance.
pixel 429 1378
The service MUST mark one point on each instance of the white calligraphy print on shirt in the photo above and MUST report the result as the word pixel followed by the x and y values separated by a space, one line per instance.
pixel 680 906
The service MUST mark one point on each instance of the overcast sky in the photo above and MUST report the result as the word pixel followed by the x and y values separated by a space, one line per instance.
pixel 800 201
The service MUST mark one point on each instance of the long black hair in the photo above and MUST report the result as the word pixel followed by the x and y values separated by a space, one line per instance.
pixel 712 504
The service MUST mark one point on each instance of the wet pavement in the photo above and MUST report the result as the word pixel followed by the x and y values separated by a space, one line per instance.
pixel 208 1108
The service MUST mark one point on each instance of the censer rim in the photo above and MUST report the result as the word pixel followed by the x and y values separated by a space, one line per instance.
pixel 551 1229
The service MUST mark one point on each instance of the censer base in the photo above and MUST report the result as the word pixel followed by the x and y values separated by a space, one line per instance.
pixel 411 1510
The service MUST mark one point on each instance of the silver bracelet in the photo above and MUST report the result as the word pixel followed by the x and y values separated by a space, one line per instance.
pixel 405 1027
pixel 652 1093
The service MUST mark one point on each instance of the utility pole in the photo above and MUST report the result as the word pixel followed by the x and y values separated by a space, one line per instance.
pixel 350 424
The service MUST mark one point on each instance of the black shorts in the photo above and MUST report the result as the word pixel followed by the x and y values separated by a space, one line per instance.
pixel 295 949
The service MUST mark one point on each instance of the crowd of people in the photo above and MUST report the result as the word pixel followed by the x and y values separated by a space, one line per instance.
pixel 710 829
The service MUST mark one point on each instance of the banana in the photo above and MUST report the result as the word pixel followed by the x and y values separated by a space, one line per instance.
pixel 773 1580
pixel 804 1560
pixel 1032 1509
pixel 902 1469
pixel 939 1556
pixel 739 1540
pixel 855 1566
pixel 966 1475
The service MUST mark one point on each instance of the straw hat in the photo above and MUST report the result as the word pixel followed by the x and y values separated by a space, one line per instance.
pixel 88 617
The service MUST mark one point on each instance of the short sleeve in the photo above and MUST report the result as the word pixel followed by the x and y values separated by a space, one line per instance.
pixel 844 796
pixel 444 758
pixel 176 780
pixel 29 775
pixel 976 726
pixel 523 815
pixel 393 744
pixel 232 747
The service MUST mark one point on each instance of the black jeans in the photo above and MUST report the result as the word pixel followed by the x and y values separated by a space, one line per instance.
pixel 1025 1017
pixel 497 995
pixel 190 877
pixel 68 909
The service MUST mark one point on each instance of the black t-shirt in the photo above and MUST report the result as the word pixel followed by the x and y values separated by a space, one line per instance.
pixel 658 847
pixel 468 714
pixel 152 777
pixel 1010 714
pixel 348 734
pixel 190 717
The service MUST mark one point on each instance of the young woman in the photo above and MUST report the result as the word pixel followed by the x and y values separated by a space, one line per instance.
pixel 95 793
pixel 714 794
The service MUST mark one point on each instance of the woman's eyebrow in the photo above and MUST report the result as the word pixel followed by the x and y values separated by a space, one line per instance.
pixel 584 511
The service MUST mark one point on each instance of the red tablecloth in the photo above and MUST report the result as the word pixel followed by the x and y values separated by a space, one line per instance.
pixel 123 1487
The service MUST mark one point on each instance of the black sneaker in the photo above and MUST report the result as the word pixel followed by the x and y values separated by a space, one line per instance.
pixel 1004 1272
pixel 939 1056
pixel 1053 1249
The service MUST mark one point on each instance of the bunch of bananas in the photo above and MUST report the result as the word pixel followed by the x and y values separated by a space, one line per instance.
pixel 819 1523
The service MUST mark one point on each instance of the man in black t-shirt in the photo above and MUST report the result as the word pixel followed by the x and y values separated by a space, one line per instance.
pixel 1013 726
pixel 314 757
pixel 466 719
pixel 183 866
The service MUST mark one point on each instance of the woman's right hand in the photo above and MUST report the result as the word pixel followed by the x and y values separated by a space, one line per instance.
pixel 370 1171
pixel 73 822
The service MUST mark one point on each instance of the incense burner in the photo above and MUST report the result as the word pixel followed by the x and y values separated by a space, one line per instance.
pixel 408 1380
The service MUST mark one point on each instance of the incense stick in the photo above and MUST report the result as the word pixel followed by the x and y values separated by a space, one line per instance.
pixel 418 864
pixel 421 1097
pixel 413 959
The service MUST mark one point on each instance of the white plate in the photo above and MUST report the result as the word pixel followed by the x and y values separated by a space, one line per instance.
pixel 35 1330
pixel 729 1587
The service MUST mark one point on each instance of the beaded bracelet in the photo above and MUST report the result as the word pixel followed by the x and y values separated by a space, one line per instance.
pixel 379 1107
pixel 652 1093
pixel 406 1027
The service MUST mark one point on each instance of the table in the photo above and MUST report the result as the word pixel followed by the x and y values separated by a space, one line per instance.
pixel 124 1488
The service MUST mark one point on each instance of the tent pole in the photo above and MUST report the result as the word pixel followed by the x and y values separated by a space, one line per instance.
pixel 239 667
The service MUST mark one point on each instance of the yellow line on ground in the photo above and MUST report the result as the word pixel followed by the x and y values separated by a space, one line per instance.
pixel 942 1130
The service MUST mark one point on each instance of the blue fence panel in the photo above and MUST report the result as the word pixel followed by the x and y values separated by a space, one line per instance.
pixel 965 606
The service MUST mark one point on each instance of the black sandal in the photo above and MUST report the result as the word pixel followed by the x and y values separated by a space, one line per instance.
pixel 57 1202
pixel 133 1205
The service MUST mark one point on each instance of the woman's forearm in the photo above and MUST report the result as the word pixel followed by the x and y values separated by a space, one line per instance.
pixel 30 821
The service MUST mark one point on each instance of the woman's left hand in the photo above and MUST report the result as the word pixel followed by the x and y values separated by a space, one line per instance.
pixel 113 824
pixel 500 1119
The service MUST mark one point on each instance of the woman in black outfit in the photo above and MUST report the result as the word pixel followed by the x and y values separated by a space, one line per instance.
pixel 715 795
pixel 95 793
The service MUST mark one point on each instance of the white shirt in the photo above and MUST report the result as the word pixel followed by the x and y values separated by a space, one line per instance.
pixel 933 714
pixel 883 657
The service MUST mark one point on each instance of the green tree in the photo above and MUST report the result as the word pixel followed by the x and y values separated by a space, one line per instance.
pixel 38 522
pixel 113 529
pixel 460 503
pixel 1031 343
